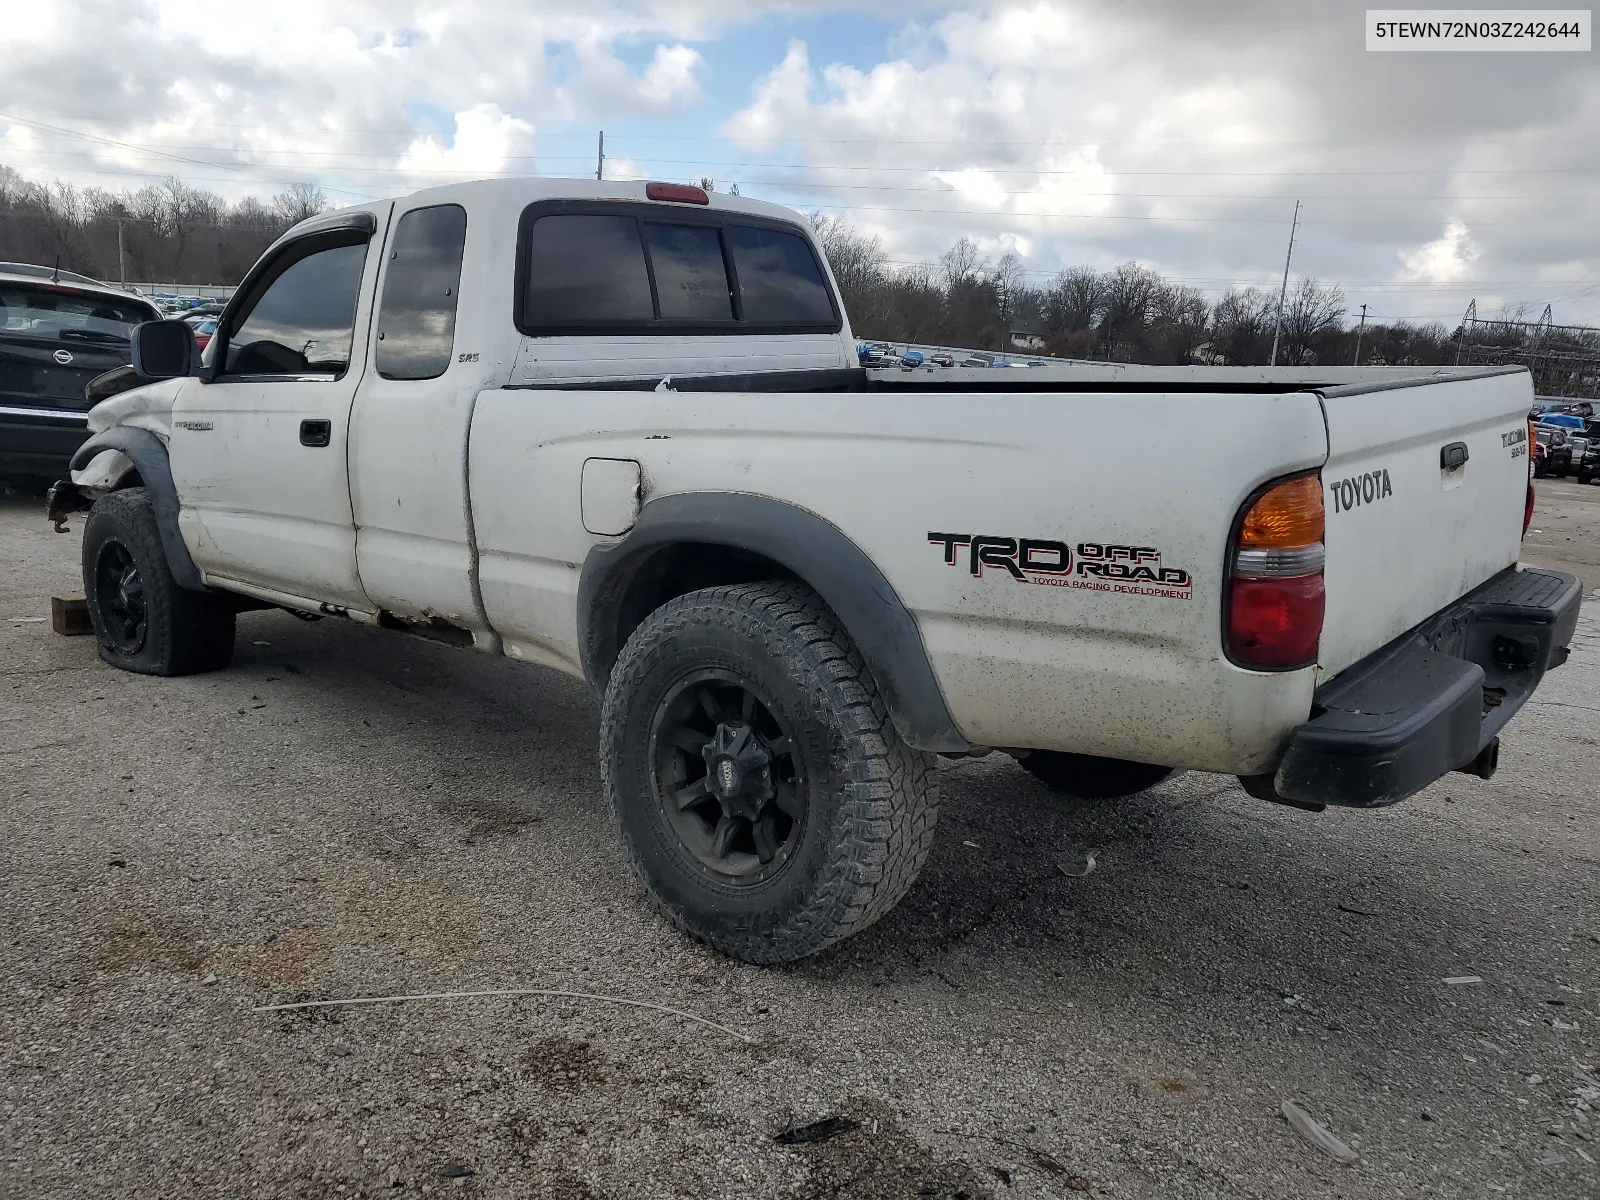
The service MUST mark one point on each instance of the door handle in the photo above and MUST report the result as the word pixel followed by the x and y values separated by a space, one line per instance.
pixel 1452 456
pixel 316 433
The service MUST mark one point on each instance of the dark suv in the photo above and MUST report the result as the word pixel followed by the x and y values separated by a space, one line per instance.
pixel 1588 467
pixel 58 331
pixel 1552 454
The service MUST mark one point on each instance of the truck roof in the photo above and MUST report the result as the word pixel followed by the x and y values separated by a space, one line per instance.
pixel 509 193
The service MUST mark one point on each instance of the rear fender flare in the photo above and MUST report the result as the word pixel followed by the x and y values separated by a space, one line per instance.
pixel 149 456
pixel 818 553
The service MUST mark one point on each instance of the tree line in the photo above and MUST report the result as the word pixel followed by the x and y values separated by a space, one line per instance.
pixel 171 232
pixel 1126 314
pixel 174 232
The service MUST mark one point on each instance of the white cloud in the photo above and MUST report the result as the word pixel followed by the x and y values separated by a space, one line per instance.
pixel 1446 259
pixel 1180 133
pixel 486 140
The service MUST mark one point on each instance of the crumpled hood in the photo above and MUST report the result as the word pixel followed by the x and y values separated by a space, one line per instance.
pixel 148 407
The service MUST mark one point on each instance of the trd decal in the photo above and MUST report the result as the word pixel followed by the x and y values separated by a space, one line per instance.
pixel 1096 566
pixel 1359 489
pixel 1135 569
pixel 1021 558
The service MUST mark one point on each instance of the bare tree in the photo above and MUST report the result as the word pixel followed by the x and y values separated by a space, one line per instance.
pixel 1074 300
pixel 1241 326
pixel 1131 291
pixel 1179 321
pixel 962 263
pixel 1311 314
pixel 1008 277
pixel 299 201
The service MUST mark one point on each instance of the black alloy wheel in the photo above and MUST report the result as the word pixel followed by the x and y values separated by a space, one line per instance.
pixel 143 621
pixel 727 778
pixel 761 792
pixel 124 611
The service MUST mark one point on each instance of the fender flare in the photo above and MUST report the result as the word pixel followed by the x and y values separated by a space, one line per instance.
pixel 818 553
pixel 149 455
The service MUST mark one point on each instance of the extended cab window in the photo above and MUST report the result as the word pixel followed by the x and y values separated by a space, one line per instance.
pixel 640 268
pixel 417 317
pixel 304 322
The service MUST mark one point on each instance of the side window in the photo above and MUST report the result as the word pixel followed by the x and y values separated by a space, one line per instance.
pixel 780 282
pixel 691 277
pixel 417 316
pixel 304 323
pixel 586 270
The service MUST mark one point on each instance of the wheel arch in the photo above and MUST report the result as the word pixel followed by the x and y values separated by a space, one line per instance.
pixel 153 471
pixel 690 540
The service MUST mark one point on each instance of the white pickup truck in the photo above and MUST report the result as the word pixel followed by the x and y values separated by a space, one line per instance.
pixel 618 429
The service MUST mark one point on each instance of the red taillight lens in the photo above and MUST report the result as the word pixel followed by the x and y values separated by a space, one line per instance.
pixel 678 193
pixel 1275 600
pixel 1527 511
pixel 1275 623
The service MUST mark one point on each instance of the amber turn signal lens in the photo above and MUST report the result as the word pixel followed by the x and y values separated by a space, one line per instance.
pixel 1285 516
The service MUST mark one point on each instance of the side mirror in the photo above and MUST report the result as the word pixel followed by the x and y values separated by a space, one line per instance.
pixel 163 350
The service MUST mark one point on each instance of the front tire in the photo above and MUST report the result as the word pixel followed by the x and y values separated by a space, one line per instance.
pixel 760 791
pixel 143 621
pixel 1089 777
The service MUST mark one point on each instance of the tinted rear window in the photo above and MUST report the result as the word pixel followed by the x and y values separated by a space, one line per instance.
pixel 586 269
pixel 641 271
pixel 779 280
pixel 691 279
pixel 68 316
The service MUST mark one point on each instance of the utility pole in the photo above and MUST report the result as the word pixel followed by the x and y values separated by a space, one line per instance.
pixel 1277 324
pixel 1360 329
pixel 600 157
pixel 122 271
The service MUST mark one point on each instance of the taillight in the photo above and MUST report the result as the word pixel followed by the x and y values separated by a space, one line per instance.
pixel 1527 510
pixel 1275 598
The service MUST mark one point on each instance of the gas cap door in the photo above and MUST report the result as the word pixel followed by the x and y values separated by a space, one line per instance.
pixel 610 495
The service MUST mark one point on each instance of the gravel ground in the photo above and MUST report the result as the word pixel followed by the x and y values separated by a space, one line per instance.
pixel 348 813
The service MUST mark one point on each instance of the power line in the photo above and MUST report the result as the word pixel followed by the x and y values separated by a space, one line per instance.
pixel 1208 143
pixel 157 153
pixel 1563 198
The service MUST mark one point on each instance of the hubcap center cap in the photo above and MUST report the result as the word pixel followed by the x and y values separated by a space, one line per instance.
pixel 739 770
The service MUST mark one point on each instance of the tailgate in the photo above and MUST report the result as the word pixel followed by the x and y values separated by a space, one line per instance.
pixel 1405 535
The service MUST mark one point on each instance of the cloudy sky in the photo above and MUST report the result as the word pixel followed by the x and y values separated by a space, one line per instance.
pixel 1175 132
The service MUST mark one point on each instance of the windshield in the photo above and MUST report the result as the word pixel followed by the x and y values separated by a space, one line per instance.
pixel 69 316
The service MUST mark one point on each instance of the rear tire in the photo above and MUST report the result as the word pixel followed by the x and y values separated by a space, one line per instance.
pixel 760 791
pixel 1089 777
pixel 143 621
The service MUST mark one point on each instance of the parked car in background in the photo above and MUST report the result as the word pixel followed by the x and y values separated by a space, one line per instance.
pixel 58 330
pixel 203 328
pixel 1552 455
pixel 1577 430
pixel 1588 467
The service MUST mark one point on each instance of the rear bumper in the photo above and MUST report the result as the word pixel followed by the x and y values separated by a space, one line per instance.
pixel 1430 701
pixel 39 441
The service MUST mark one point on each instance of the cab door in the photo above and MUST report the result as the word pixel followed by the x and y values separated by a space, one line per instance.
pixel 259 440
pixel 409 429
